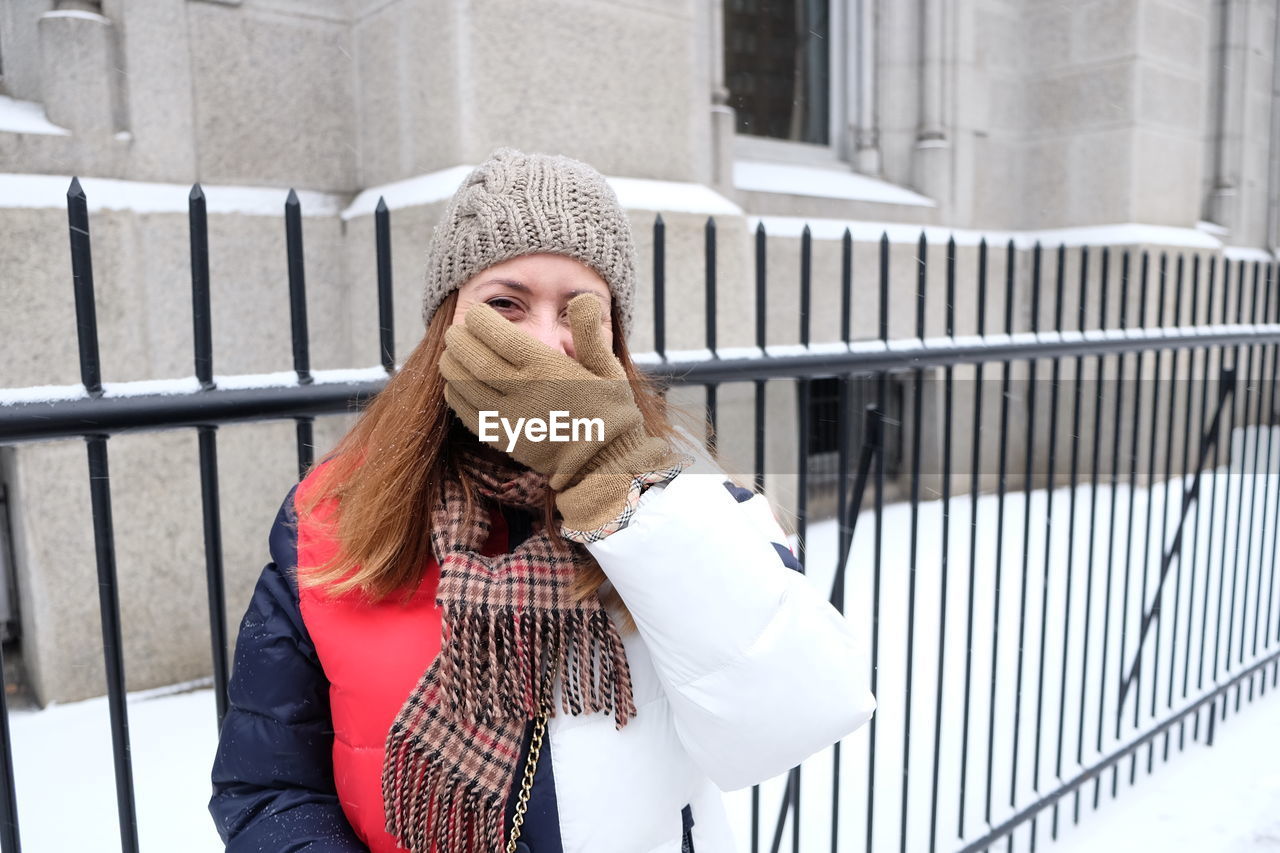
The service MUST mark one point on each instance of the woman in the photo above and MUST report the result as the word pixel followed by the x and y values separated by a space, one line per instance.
pixel 472 637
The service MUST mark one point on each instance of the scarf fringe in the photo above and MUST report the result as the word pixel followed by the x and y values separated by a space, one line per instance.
pixel 445 812
pixel 491 657
pixel 511 629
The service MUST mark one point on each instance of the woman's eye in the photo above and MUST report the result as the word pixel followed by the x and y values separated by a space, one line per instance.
pixel 502 303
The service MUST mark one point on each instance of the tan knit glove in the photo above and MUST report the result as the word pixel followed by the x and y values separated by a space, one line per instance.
pixel 490 366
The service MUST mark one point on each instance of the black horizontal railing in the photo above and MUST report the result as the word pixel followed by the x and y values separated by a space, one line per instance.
pixel 125 412
pixel 1189 348
pixel 128 410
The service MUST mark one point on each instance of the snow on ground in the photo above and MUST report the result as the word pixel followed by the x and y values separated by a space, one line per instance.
pixel 1224 798
pixel 65 776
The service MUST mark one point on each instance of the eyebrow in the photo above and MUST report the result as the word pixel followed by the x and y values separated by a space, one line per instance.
pixel 511 283
pixel 606 297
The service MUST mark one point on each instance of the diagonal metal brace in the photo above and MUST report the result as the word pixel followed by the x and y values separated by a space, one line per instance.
pixel 872 444
pixel 1208 443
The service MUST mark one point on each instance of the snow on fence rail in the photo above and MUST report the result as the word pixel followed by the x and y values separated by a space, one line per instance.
pixel 1057 536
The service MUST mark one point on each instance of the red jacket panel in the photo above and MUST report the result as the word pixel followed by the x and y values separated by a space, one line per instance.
pixel 373 655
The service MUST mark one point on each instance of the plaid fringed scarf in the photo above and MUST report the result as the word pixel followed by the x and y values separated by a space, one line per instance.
pixel 511 628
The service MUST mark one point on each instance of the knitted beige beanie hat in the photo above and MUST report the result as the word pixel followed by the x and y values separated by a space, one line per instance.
pixel 517 204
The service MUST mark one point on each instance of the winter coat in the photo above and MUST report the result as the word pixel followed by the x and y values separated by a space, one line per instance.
pixel 740 670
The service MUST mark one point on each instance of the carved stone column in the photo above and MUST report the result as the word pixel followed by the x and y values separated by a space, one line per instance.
pixel 1231 61
pixel 1273 160
pixel 866 131
pixel 932 160
pixel 81 80
pixel 722 117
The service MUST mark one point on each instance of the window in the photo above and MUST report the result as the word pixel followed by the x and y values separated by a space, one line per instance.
pixel 778 68
pixel 825 423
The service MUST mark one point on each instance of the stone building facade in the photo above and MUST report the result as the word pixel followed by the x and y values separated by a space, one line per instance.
pixel 1135 122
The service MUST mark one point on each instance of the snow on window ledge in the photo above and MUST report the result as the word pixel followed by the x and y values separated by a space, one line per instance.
pixel 817 181
pixel 26 117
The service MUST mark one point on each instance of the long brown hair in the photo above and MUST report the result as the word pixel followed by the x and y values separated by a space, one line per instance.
pixel 385 474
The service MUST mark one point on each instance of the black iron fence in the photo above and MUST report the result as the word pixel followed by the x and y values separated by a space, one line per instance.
pixel 1034 524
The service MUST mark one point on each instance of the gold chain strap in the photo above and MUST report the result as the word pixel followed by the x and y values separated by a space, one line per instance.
pixel 526 786
pixel 535 749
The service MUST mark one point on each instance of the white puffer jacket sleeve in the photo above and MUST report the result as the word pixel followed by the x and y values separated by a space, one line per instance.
pixel 760 670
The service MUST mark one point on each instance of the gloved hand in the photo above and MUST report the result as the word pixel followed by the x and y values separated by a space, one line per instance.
pixel 489 365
